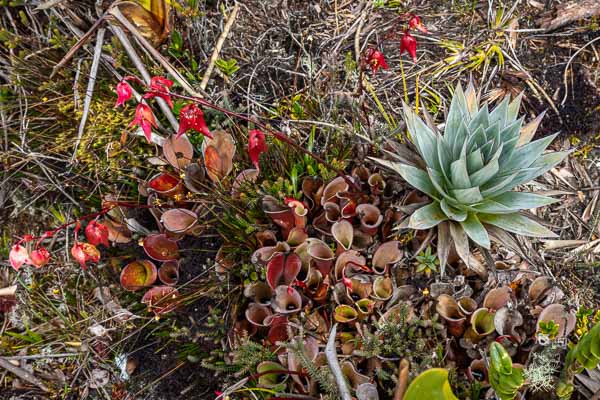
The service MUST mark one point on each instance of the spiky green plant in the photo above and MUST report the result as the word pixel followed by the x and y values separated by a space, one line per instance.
pixel 471 169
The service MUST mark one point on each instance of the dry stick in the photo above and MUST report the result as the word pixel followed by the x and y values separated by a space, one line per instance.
pixel 219 46
pixel 23 374
pixel 334 365
pixel 163 61
pixel 139 65
pixel 402 384
pixel 278 135
pixel 77 46
pixel 89 92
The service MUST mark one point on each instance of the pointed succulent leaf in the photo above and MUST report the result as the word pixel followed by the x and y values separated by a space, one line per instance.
pixel 474 161
pixel 459 174
pixel 518 224
pixel 515 201
pixel 415 177
pixel 488 171
pixel 467 196
pixel 525 155
pixel 476 231
pixel 500 113
pixel 423 137
pixel 427 217
pixel 455 214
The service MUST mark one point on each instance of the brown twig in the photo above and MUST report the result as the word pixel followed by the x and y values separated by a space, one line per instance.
pixel 23 374
pixel 219 46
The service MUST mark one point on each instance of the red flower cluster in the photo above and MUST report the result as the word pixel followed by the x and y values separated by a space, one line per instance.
pixel 375 58
pixel 21 253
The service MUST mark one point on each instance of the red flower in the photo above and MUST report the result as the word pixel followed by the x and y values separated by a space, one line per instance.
pixel 123 93
pixel 409 44
pixel 145 119
pixel 160 84
pixel 18 256
pixel 191 117
pixel 375 59
pixel 40 257
pixel 256 145
pixel 84 252
pixel 96 233
pixel 415 23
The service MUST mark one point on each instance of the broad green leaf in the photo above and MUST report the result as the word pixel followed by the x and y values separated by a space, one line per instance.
pixel 438 181
pixel 539 167
pixel 486 173
pixel 432 384
pixel 517 223
pixel 427 217
pixel 498 184
pixel 445 157
pixel 454 213
pixel 480 119
pixel 474 161
pixel 459 174
pixel 510 136
pixel 476 140
pixel 526 155
pixel 523 200
pixel 415 177
pixel 468 196
pixel 423 137
pixel 456 116
pixel 500 113
pixel 476 231
pixel 461 138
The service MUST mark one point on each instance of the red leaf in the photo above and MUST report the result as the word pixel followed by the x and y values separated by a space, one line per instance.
pixel 123 93
pixel 256 145
pixel 192 117
pixel 96 233
pixel 409 44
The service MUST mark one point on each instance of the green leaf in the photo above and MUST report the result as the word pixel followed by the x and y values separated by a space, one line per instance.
pixel 427 217
pixel 500 113
pixel 526 155
pixel 445 156
pixel 476 231
pixel 459 174
pixel 468 196
pixel 461 244
pixel 481 119
pixel 432 384
pixel 490 170
pixel 474 161
pixel 423 137
pixel 514 201
pixel 456 116
pixel 517 223
pixel 415 177
pixel 455 214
